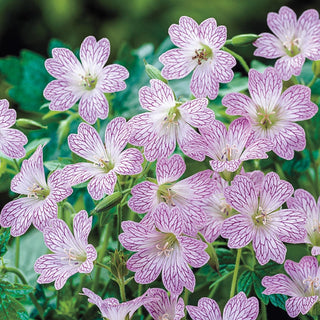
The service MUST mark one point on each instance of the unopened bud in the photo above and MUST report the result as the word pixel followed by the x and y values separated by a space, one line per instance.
pixel 109 202
pixel 316 68
pixel 29 124
pixel 119 264
pixel 153 72
pixel 244 39
pixel 213 260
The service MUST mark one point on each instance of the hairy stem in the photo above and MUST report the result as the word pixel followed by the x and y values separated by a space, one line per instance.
pixel 235 273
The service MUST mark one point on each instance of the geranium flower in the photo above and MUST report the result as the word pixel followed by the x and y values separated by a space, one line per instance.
pixel 106 160
pixel 111 309
pixel 161 307
pixel 167 122
pixel 260 220
pixel 293 40
pixel 305 202
pixel 87 81
pixel 11 140
pixel 237 308
pixel 199 50
pixel 163 249
pixel 186 195
pixel 71 253
pixel 303 285
pixel 272 113
pixel 40 203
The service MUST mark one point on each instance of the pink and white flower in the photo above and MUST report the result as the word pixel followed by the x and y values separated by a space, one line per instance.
pixel 111 309
pixel 167 122
pixel 305 202
pixel 106 160
pixel 198 51
pixel 261 219
pixel 163 249
pixel 87 81
pixel 303 286
pixel 161 307
pixel 272 114
pixel 237 308
pixel 11 140
pixel 71 253
pixel 185 196
pixel 40 204
pixel 293 41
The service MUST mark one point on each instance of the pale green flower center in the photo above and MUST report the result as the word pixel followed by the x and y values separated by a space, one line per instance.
pixel 202 54
pixel 165 247
pixel 292 47
pixel 266 118
pixel 166 194
pixel 88 81
pixel 226 209
pixel 38 192
pixel 229 152
pixel 74 256
pixel 105 164
pixel 172 117
pixel 261 217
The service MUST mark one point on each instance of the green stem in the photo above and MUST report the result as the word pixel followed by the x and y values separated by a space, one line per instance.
pixel 311 83
pixel 16 165
pixel 119 220
pixel 34 300
pixel 238 57
pixel 235 274
pixel 263 311
pixel 213 290
pixel 102 266
pixel 122 290
pixel 186 296
pixel 17 253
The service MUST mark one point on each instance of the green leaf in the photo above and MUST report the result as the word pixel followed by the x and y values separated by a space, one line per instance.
pixel 245 282
pixel 278 300
pixel 16 290
pixel 28 77
pixel 259 288
pixel 57 164
pixel 4 238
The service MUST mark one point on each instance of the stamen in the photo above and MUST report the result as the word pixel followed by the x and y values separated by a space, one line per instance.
pixel 168 197
pixel 70 256
pixel 266 117
pixel 164 250
pixel 313 283
pixel 101 162
pixel 169 120
pixel 200 55
pixel 264 215
pixel 225 208
pixel 164 317
pixel 227 152
pixel 34 191
pixel 88 81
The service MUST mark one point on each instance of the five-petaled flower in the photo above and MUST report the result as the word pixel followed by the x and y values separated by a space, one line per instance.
pixel 303 287
pixel 106 160
pixel 237 308
pixel 87 81
pixel 71 253
pixel 40 202
pixel 272 114
pixel 260 220
pixel 167 122
pixel 165 249
pixel 11 140
pixel 293 41
pixel 199 50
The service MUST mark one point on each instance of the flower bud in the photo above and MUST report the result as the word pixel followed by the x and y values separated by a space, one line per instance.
pixel 118 264
pixel 109 202
pixel 29 124
pixel 153 72
pixel 244 39
pixel 316 68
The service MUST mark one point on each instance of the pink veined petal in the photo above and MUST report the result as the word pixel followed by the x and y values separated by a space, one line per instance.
pixel 32 172
pixel 282 24
pixel 43 212
pixel 159 304
pixel 257 150
pixel 295 305
pixel 296 103
pixel 206 309
pixel 87 266
pixel 290 225
pixel 17 214
pixel 315 251
pixel 168 220
pixel 239 229
pixel 265 89
pixel 7 116
pixel 177 64
pixel 102 184
pixel 274 192
pixel 112 78
pixel 242 195
pixel 170 169
pixel 289 139
pixel 144 197
pixel 184 33
pixel 196 113
pixel 279 284
pixel 214 36
pixel 156 96
pixel 203 82
pixel 238 134
pixel 267 246
pixel 94 53
pixel 129 162
pixel 308 23
pixel 12 142
pixel 74 174
pixel 116 136
pixel 61 95
pixel 268 46
pixel 238 104
pixel 57 185
pixel 93 105
pixel 222 64
pixel 288 66
pixel 81 227
pixel 241 308
pixel 87 143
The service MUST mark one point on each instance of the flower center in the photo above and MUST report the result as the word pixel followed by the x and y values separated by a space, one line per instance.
pixel 226 209
pixel 88 81
pixel 292 47
pixel 166 194
pixel 165 247
pixel 312 284
pixel 229 152
pixel 104 164
pixel 171 119
pixel 261 217
pixel 202 54
pixel 73 257
pixel 165 316
pixel 37 191
pixel 266 118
